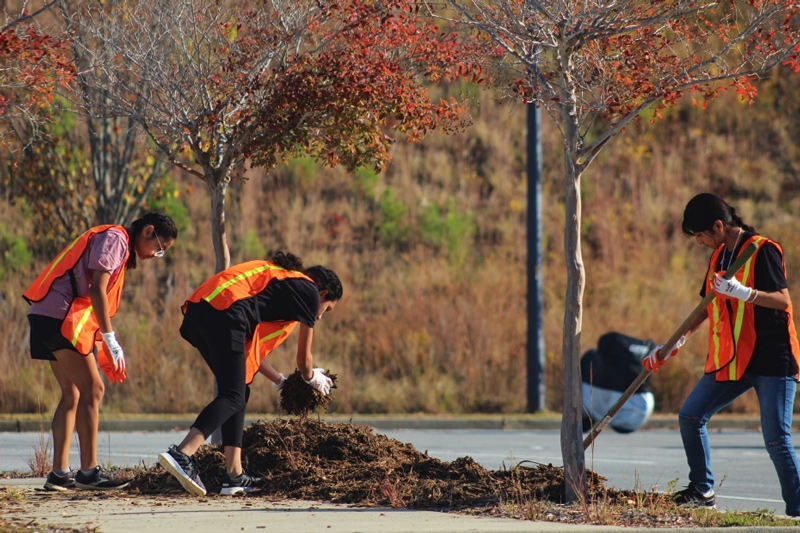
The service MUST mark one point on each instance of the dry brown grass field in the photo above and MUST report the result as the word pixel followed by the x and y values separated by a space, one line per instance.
pixel 432 255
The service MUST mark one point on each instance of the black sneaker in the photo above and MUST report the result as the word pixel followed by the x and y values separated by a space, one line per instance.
pixel 185 470
pixel 58 482
pixel 691 497
pixel 244 483
pixel 98 480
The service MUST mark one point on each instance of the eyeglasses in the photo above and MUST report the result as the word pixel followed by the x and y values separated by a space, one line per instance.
pixel 160 252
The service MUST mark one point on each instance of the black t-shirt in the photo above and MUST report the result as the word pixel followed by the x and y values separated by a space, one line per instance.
pixel 291 299
pixel 772 355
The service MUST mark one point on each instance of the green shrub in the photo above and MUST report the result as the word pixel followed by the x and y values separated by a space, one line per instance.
pixel 303 169
pixel 17 257
pixel 459 230
pixel 391 228
pixel 167 198
pixel 431 230
pixel 252 246
pixel 366 183
pixel 453 231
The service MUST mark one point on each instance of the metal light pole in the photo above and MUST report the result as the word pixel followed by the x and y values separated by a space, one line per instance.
pixel 535 350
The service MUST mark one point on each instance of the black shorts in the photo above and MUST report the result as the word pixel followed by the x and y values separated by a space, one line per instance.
pixel 46 337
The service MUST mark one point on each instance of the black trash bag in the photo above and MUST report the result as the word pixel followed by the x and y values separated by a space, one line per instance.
pixel 610 369
pixel 616 362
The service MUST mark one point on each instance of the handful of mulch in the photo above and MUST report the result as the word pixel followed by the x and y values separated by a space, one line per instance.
pixel 299 398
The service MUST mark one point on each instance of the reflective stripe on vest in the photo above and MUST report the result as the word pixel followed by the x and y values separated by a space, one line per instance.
pixel 724 337
pixel 240 277
pixel 79 326
pixel 732 339
pixel 267 337
pixel 272 335
pixel 239 281
pixel 244 281
pixel 84 318
pixel 63 262
pixel 740 310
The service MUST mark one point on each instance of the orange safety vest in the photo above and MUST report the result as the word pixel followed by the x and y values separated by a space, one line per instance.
pixel 732 333
pixel 80 326
pixel 244 281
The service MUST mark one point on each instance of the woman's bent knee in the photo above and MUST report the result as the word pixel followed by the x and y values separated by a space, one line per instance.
pixel 94 394
pixel 686 421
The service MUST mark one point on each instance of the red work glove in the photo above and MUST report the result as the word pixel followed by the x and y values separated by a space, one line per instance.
pixel 652 361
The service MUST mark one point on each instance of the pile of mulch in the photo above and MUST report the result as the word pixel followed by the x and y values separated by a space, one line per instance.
pixel 345 463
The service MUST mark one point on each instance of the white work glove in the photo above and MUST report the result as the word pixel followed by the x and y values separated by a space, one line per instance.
pixel 652 362
pixel 320 381
pixel 280 385
pixel 732 288
pixel 116 350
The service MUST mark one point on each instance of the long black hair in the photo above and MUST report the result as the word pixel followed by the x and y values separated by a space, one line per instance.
pixel 704 209
pixel 324 278
pixel 162 223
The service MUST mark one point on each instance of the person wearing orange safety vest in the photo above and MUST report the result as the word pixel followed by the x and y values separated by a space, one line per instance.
pixel 235 319
pixel 72 303
pixel 752 343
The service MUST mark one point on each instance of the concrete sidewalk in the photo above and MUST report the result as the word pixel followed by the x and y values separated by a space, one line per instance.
pixel 124 513
pixel 24 504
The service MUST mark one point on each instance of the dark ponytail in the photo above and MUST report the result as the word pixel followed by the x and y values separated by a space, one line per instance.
pixel 324 278
pixel 162 223
pixel 286 260
pixel 704 209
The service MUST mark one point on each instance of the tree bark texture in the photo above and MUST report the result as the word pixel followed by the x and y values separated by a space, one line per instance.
pixel 571 431
pixel 219 236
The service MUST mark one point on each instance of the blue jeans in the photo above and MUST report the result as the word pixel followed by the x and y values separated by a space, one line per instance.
pixel 775 400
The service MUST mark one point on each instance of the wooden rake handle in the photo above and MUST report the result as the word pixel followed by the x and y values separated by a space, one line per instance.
pixel 682 329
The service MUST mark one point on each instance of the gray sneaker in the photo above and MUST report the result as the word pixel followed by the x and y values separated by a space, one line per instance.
pixel 184 468
pixel 244 483
pixel 99 479
pixel 57 482
pixel 692 497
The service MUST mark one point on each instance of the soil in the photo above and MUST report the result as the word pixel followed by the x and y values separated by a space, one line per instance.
pixel 345 463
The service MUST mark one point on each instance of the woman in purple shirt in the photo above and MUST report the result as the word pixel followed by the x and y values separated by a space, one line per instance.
pixel 84 281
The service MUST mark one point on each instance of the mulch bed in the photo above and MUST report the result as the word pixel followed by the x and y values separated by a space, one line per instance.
pixel 307 459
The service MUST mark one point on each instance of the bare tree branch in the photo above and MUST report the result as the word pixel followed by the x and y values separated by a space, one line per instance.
pixel 27 17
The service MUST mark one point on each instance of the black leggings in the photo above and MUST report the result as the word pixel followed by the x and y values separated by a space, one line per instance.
pixel 222 349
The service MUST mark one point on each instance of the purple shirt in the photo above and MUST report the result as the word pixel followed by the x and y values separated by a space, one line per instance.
pixel 106 252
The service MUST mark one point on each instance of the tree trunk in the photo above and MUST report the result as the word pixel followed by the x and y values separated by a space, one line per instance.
pixel 571 431
pixel 222 254
pixel 218 189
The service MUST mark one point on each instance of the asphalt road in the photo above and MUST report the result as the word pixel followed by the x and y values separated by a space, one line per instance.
pixel 646 459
